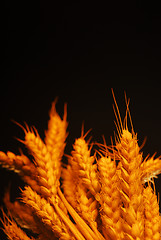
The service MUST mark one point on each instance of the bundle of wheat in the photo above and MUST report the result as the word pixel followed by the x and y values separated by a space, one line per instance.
pixel 108 195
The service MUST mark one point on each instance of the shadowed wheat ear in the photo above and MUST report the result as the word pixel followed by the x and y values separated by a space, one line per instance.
pixel 11 229
pixel 152 218
pixel 20 212
pixel 69 186
pixel 21 165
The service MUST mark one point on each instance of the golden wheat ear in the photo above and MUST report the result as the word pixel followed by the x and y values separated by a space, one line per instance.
pixel 110 198
pixel 151 212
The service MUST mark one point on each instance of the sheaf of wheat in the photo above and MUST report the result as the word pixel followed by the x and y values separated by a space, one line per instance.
pixel 106 195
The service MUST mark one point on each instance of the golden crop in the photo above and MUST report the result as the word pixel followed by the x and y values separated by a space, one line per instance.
pixel 107 195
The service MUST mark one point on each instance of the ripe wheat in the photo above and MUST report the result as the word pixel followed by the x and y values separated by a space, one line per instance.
pixel 106 195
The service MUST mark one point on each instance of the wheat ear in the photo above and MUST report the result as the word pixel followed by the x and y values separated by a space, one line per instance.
pixel 68 185
pixel 47 169
pixel 46 213
pixel 21 165
pixel 152 218
pixel 56 134
pixel 20 212
pixel 85 183
pixel 12 230
pixel 87 170
pixel 109 198
pixel 76 182
pixel 18 163
pixel 70 176
pixel 131 188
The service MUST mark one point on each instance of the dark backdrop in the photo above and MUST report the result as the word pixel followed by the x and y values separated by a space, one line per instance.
pixel 78 52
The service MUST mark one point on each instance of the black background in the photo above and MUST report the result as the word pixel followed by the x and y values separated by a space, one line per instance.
pixel 78 52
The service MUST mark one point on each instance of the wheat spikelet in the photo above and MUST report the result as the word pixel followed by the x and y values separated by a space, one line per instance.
pixel 150 168
pixel 109 198
pixel 152 218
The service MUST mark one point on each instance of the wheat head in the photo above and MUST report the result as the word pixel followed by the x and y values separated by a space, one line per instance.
pixel 109 198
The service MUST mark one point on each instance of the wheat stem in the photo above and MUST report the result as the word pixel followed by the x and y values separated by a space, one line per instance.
pixel 86 231
pixel 45 212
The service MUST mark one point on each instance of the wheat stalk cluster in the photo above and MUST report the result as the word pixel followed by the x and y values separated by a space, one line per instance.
pixel 104 192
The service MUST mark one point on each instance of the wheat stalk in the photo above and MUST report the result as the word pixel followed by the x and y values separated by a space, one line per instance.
pixel 82 226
